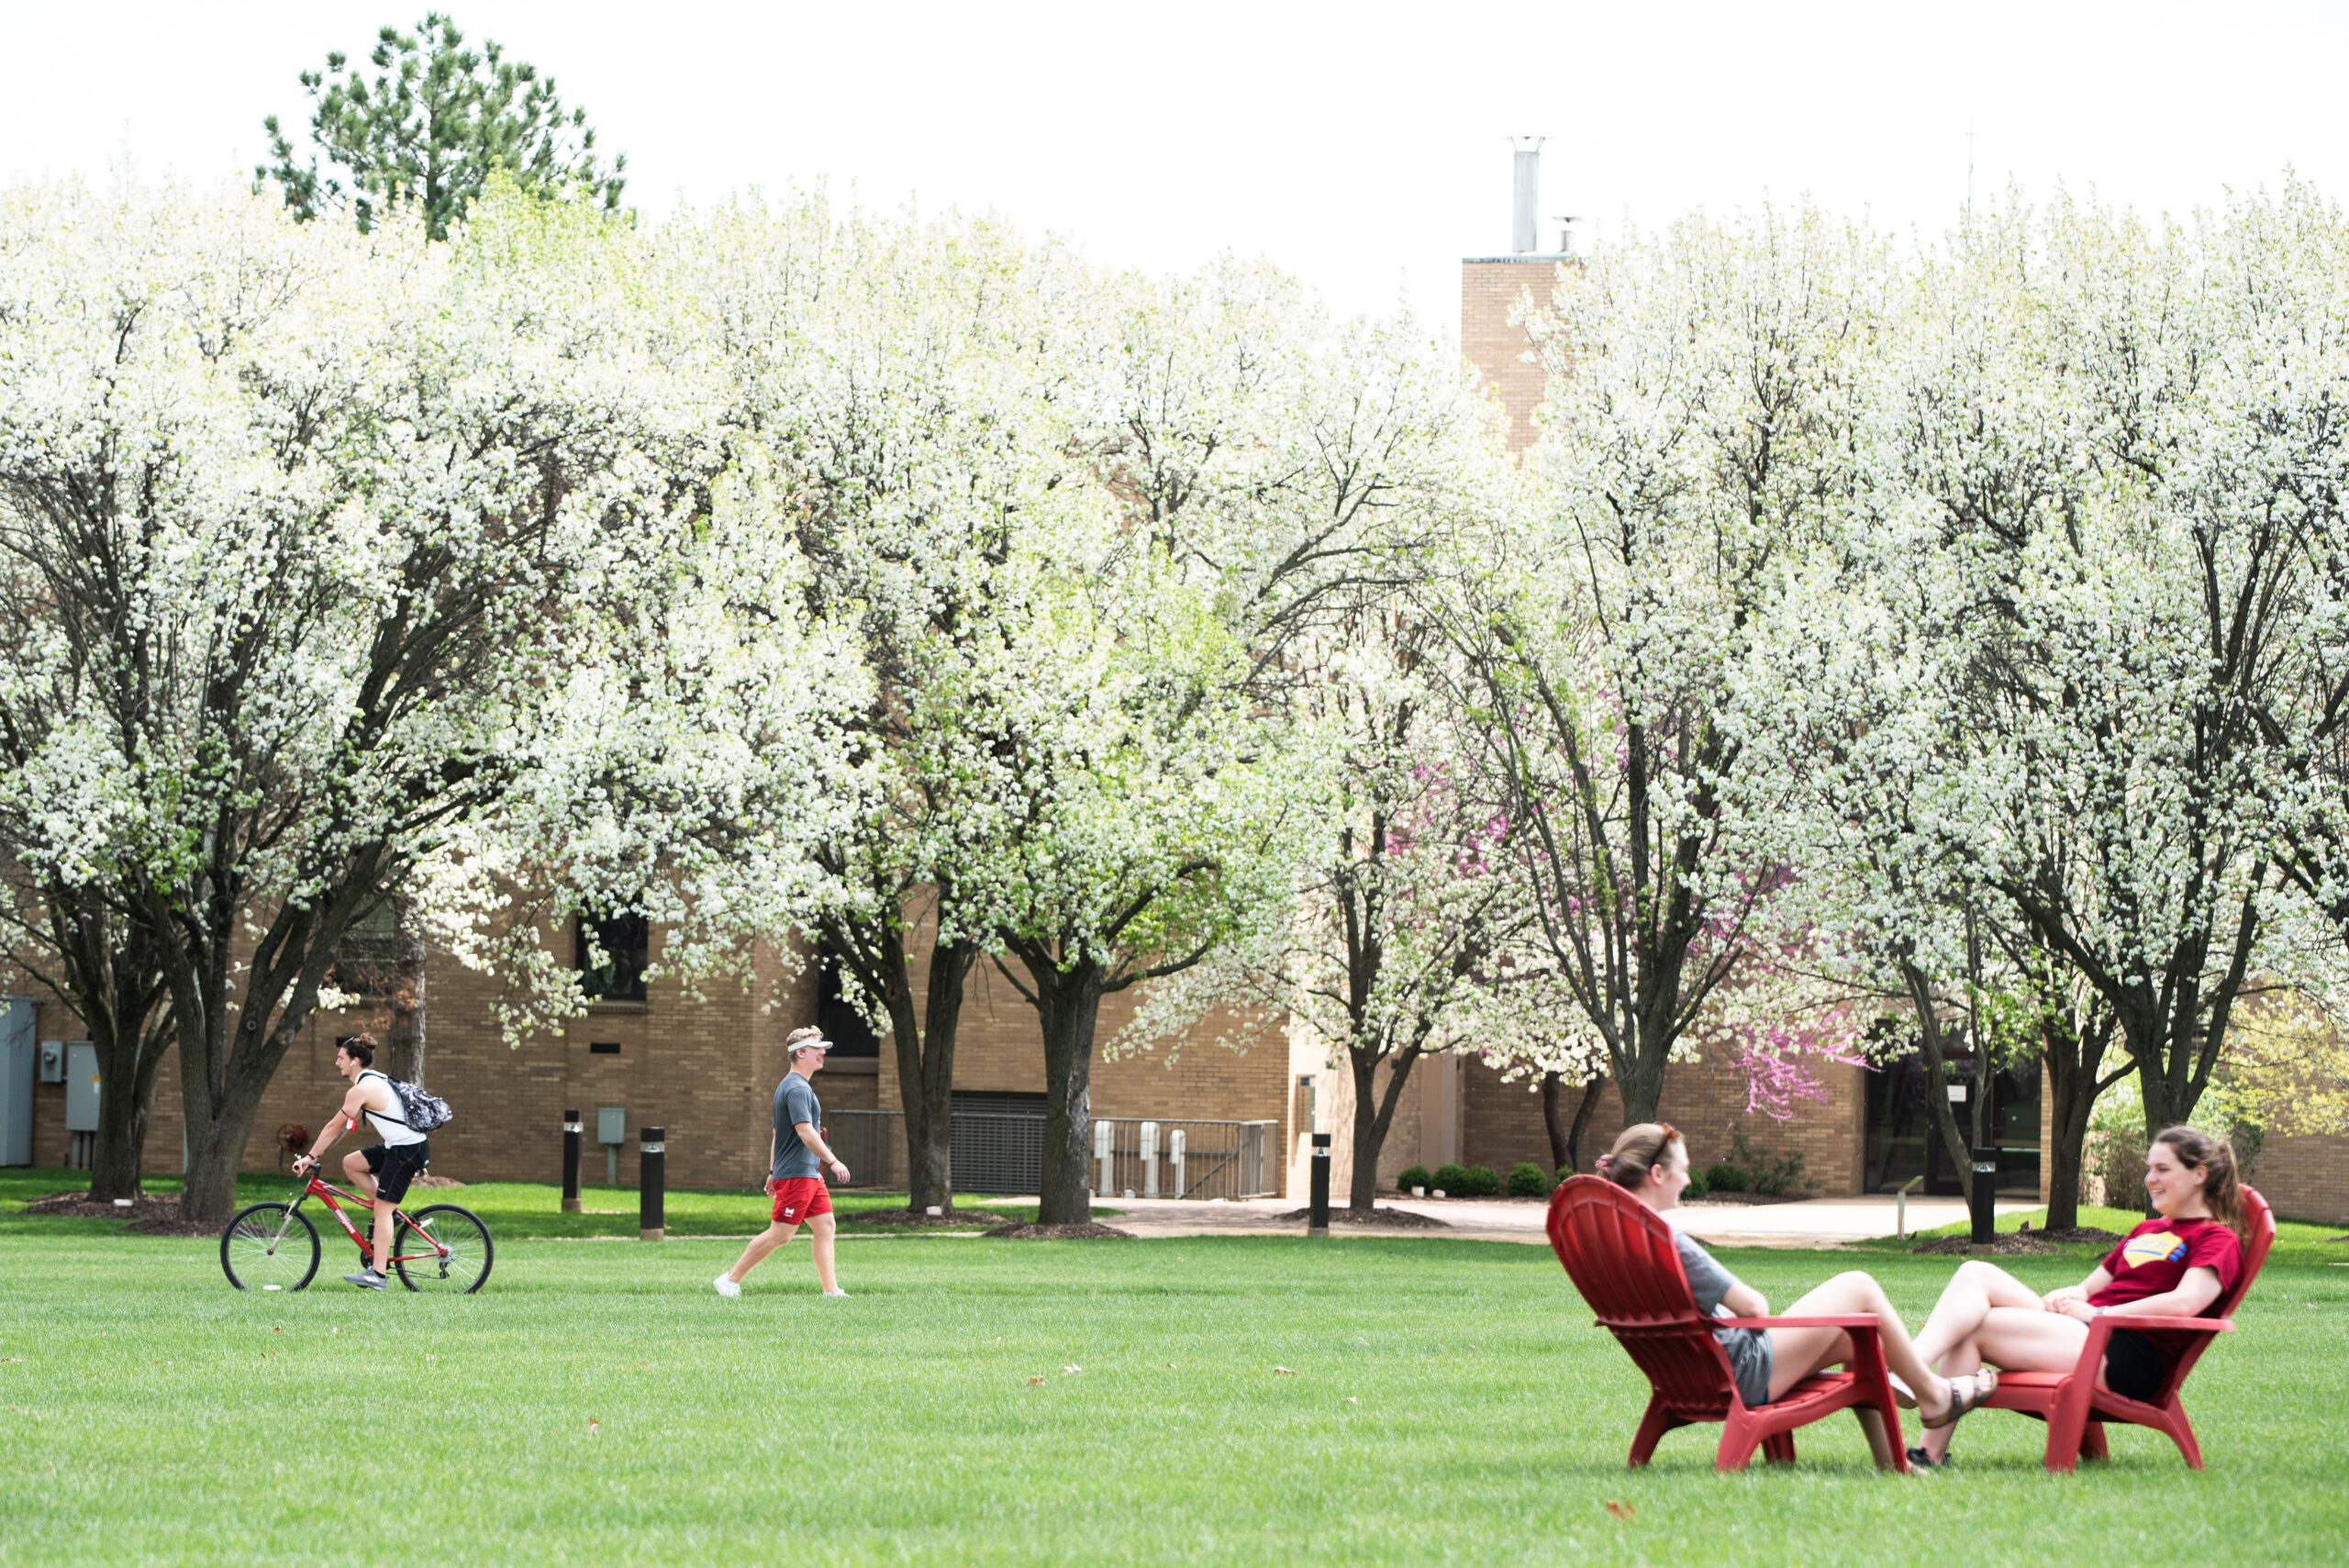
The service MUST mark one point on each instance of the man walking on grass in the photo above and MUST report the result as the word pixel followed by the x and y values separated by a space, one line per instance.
pixel 796 1159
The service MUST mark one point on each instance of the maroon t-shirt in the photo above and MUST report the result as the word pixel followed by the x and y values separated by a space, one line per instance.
pixel 2152 1259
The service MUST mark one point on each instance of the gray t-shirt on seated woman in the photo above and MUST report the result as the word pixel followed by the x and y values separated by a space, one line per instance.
pixel 1748 1349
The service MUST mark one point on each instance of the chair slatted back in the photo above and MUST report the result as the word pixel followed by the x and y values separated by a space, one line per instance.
pixel 1620 1255
pixel 2259 1221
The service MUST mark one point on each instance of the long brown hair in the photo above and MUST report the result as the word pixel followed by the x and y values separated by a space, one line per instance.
pixel 1637 1152
pixel 2222 1189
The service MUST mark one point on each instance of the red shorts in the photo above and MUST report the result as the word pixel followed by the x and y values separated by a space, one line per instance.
pixel 797 1198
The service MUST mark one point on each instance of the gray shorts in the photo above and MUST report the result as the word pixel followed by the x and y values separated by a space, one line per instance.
pixel 1751 1360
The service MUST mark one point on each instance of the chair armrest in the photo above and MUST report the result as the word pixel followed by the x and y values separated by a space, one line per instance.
pixel 2179 1324
pixel 1867 1320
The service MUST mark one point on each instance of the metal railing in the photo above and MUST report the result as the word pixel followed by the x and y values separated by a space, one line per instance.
pixel 1003 1153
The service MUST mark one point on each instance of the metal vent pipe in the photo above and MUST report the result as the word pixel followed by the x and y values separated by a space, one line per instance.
pixel 1528 193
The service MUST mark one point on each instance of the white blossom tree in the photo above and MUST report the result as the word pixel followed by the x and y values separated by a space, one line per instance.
pixel 327 514
pixel 1704 393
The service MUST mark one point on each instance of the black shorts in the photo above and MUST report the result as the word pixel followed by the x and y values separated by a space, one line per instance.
pixel 2133 1365
pixel 395 1165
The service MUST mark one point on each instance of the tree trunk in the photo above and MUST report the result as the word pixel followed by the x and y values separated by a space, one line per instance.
pixel 926 1081
pixel 404 1041
pixel 2074 1057
pixel 127 1074
pixel 1068 1006
pixel 1374 1117
pixel 1572 1160
pixel 1929 1034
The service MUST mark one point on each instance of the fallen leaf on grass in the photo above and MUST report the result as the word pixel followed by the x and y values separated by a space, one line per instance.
pixel 1620 1510
pixel 11 1361
pixel 1067 1370
pixel 1351 1400
pixel 1283 1371
pixel 592 1427
pixel 278 1328
pixel 1033 1381
pixel 334 1330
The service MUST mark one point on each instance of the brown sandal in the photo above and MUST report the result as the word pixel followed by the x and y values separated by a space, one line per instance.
pixel 1977 1388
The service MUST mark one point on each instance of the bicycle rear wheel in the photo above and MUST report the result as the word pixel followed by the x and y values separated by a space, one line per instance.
pixel 458 1258
pixel 269 1246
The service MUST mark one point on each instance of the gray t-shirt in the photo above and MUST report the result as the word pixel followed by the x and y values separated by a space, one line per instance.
pixel 1749 1351
pixel 794 1102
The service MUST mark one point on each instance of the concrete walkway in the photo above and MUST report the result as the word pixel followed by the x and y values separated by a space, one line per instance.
pixel 1813 1222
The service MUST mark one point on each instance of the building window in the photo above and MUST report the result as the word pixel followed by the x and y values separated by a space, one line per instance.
pixel 618 973
pixel 366 960
pixel 837 1016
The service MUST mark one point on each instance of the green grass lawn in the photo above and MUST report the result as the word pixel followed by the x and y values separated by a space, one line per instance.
pixel 1444 1401
pixel 511 1210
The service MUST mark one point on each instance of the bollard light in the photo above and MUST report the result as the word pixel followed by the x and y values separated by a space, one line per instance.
pixel 650 1162
pixel 1150 1159
pixel 1174 1151
pixel 1984 1196
pixel 1317 1222
pixel 571 1132
pixel 1105 1154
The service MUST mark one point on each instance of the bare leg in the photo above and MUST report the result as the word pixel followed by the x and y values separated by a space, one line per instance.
pixel 385 1209
pixel 765 1241
pixel 1796 1354
pixel 1973 1291
pixel 2014 1338
pixel 354 1170
pixel 822 1227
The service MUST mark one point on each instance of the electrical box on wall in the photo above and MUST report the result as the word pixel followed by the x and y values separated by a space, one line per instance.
pixel 53 1061
pixel 81 1086
pixel 611 1125
pixel 15 1081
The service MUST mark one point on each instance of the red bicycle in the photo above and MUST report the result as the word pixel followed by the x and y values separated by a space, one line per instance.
pixel 273 1246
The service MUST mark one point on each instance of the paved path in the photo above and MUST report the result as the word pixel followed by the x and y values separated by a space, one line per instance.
pixel 1811 1223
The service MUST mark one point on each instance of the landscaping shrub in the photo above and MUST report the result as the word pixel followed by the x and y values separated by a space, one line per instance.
pixel 1526 1180
pixel 1483 1181
pixel 1696 1188
pixel 1723 1178
pixel 1414 1176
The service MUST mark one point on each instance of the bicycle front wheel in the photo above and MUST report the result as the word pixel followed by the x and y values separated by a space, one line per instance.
pixel 269 1246
pixel 442 1247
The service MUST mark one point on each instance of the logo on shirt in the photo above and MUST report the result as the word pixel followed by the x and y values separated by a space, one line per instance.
pixel 2152 1247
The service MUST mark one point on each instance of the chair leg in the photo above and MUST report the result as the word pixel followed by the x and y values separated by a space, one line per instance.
pixel 2181 1432
pixel 1653 1426
pixel 1779 1447
pixel 2092 1444
pixel 1739 1441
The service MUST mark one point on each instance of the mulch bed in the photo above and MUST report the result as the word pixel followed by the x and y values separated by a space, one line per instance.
pixel 1749 1199
pixel 1377 1218
pixel 907 1219
pixel 150 1214
pixel 1088 1232
pixel 2021 1243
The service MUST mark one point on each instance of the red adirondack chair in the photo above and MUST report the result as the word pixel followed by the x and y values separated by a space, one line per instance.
pixel 2076 1409
pixel 1619 1254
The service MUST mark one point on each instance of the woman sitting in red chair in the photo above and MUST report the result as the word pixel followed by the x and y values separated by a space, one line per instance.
pixel 1651 1163
pixel 2181 1264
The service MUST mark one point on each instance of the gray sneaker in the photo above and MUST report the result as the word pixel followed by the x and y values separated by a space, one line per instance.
pixel 366 1279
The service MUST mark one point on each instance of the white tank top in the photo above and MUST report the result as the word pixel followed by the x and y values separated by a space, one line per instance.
pixel 389 1125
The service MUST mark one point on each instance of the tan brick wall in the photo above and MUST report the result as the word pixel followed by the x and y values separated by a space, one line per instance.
pixel 2305 1178
pixel 999 1048
pixel 1705 1100
pixel 1489 290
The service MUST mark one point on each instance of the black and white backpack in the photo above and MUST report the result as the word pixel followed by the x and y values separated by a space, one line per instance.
pixel 421 1110
pixel 424 1111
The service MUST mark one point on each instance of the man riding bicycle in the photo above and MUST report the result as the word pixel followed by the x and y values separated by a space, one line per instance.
pixel 381 1170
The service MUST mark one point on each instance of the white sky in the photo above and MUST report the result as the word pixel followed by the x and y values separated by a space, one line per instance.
pixel 1360 146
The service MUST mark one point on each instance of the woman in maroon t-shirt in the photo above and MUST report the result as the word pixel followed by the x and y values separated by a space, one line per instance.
pixel 2179 1265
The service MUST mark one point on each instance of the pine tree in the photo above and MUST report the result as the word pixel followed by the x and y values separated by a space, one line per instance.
pixel 431 126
